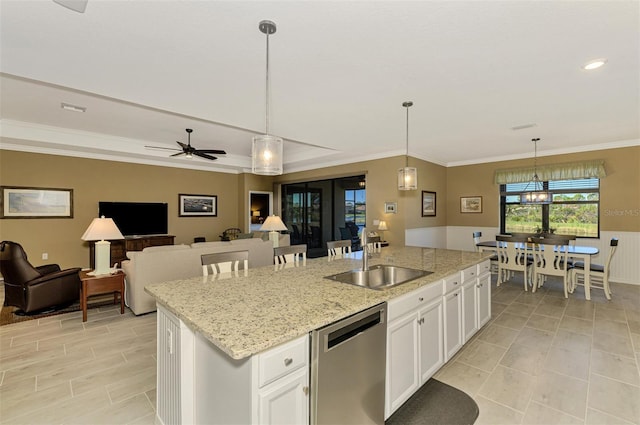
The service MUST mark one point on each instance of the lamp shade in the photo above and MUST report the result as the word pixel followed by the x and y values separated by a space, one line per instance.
pixel 266 155
pixel 382 225
pixel 273 223
pixel 256 213
pixel 102 229
pixel 407 178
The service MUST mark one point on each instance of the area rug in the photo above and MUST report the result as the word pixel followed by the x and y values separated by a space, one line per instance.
pixel 436 403
pixel 8 317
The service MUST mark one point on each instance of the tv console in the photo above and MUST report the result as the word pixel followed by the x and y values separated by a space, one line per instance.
pixel 120 247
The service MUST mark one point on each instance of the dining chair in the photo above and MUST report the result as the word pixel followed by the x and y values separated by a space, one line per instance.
pixel 290 254
pixel 598 274
pixel 224 262
pixel 493 258
pixel 476 240
pixel 374 244
pixel 550 259
pixel 335 248
pixel 512 258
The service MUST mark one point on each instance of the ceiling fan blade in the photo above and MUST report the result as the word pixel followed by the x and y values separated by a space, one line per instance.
pixel 183 145
pixel 160 147
pixel 177 154
pixel 204 155
pixel 213 151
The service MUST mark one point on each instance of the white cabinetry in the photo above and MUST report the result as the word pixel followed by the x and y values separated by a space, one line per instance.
pixel 414 343
pixel 201 384
pixel 452 315
pixel 469 302
pixel 483 288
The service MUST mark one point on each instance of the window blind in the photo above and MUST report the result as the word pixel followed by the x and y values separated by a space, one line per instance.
pixel 567 171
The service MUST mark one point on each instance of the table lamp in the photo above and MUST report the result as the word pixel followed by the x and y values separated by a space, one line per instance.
pixel 382 226
pixel 102 230
pixel 273 224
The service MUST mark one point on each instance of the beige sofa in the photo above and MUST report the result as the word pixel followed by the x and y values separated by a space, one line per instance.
pixel 173 262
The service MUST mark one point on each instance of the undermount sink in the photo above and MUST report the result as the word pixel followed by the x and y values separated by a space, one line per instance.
pixel 379 276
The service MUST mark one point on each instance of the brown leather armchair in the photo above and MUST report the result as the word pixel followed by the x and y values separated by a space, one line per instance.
pixel 35 288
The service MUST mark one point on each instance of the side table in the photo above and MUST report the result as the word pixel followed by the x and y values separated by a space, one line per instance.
pixel 102 284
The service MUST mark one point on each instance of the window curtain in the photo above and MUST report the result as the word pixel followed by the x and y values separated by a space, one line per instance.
pixel 568 171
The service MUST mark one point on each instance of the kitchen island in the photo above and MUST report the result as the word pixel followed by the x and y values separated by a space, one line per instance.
pixel 241 320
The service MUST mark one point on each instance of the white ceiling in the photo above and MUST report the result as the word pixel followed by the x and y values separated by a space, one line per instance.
pixel 340 70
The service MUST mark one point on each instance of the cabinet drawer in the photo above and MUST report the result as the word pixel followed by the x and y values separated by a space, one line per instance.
pixel 282 360
pixel 451 282
pixel 484 267
pixel 420 297
pixel 470 273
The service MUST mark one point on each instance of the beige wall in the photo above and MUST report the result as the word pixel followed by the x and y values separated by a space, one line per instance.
pixel 93 181
pixel 619 191
pixel 382 187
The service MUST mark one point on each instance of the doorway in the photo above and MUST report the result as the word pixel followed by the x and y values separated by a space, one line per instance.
pixel 260 207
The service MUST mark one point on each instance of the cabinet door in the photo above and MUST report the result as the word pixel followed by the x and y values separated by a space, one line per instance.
pixel 285 401
pixel 402 361
pixel 483 289
pixel 470 310
pixel 431 340
pixel 452 323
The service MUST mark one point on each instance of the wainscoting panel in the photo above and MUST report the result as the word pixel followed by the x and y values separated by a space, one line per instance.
pixel 428 237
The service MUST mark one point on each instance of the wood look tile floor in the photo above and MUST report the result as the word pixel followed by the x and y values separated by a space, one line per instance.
pixel 542 359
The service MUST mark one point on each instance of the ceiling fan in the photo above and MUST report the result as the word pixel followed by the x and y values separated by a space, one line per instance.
pixel 189 150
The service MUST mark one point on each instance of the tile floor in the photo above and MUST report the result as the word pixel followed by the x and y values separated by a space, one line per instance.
pixel 541 360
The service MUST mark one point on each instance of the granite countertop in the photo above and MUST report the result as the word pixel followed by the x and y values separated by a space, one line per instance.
pixel 244 315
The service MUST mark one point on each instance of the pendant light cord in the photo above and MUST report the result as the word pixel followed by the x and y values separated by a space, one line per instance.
pixel 535 159
pixel 407 157
pixel 267 90
pixel 407 104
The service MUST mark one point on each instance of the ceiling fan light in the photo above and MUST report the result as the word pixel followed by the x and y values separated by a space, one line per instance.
pixel 266 154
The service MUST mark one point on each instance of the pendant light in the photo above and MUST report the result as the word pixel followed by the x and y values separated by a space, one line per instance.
pixel 407 176
pixel 536 194
pixel 266 151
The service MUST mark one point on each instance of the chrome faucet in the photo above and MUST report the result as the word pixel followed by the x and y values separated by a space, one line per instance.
pixel 365 253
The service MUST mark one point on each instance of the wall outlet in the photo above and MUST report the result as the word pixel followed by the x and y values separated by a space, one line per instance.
pixel 45 255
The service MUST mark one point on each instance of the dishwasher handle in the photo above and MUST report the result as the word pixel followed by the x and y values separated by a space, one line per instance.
pixel 353 329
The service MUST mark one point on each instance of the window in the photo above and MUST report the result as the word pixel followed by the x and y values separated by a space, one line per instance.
pixel 575 209
pixel 355 207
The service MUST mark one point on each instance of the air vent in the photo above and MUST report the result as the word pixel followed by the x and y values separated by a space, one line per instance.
pixel 522 127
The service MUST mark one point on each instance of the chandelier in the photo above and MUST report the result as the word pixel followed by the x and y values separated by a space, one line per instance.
pixel 266 151
pixel 407 176
pixel 535 193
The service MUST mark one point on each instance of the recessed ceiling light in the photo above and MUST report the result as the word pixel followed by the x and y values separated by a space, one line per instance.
pixel 594 64
pixel 73 108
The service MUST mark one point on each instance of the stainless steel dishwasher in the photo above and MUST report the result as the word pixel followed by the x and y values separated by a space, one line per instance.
pixel 348 369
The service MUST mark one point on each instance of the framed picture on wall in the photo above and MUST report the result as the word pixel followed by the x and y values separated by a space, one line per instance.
pixel 471 204
pixel 390 207
pixel 197 205
pixel 35 202
pixel 428 203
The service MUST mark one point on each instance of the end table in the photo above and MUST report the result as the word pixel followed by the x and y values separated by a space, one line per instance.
pixel 101 284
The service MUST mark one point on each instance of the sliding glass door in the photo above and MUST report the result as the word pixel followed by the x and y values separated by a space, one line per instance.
pixel 316 212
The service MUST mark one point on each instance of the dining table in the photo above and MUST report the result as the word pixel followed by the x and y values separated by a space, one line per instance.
pixel 580 252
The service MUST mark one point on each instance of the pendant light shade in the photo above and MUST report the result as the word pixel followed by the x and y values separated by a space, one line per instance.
pixel 535 193
pixel 407 176
pixel 266 150
pixel 266 155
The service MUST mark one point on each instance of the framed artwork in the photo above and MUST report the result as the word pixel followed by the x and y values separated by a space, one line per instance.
pixel 428 203
pixel 390 207
pixel 35 202
pixel 197 205
pixel 471 204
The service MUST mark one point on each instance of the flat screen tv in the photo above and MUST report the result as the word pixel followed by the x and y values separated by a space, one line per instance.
pixel 137 218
